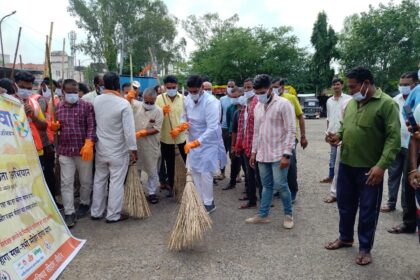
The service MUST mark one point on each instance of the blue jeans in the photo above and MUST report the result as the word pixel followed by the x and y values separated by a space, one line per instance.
pixel 333 157
pixel 274 177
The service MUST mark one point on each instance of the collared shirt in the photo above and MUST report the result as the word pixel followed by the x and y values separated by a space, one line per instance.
pixel 176 116
pixel 296 106
pixel 229 116
pixel 274 130
pixel 90 96
pixel 225 101
pixel 405 134
pixel 414 98
pixel 246 127
pixel 334 109
pixel 114 126
pixel 370 133
pixel 77 123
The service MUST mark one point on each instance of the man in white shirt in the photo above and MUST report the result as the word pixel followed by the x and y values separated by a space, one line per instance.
pixel 115 147
pixel 98 82
pixel 334 108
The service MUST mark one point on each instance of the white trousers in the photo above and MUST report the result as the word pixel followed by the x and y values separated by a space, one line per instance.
pixel 152 181
pixel 115 168
pixel 333 189
pixel 204 183
pixel 68 166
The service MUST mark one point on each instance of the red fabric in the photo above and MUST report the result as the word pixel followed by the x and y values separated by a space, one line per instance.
pixel 244 142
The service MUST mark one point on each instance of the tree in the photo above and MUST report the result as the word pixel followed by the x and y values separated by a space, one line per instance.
pixel 139 23
pixel 323 40
pixel 385 39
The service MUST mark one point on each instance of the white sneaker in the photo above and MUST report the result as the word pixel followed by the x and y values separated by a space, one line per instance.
pixel 257 220
pixel 288 222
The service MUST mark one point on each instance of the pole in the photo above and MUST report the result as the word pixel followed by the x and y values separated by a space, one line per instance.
pixel 62 60
pixel 20 59
pixel 46 65
pixel 51 81
pixel 131 69
pixel 16 52
pixel 1 37
pixel 122 53
pixel 80 73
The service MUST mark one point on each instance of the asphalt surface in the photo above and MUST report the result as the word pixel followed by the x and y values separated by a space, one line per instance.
pixel 137 249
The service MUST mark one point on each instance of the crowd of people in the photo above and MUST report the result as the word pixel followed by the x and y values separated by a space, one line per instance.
pixel 101 133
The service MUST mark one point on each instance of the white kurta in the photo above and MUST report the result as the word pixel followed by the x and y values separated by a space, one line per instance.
pixel 203 118
pixel 148 148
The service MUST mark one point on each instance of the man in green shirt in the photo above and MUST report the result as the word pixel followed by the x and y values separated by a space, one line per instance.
pixel 370 140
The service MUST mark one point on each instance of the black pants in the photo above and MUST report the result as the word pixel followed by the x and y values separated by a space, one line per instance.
pixel 47 164
pixel 292 174
pixel 235 168
pixel 253 182
pixel 226 142
pixel 168 157
pixel 409 199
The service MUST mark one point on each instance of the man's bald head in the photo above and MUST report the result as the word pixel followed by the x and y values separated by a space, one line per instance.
pixel 207 86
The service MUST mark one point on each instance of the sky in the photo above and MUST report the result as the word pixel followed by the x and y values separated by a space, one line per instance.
pixel 35 20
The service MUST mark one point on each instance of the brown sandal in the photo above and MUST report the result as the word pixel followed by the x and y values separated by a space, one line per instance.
pixel 337 244
pixel 363 258
pixel 330 199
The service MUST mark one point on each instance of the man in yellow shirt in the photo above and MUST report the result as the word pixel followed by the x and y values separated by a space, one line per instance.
pixel 277 87
pixel 173 127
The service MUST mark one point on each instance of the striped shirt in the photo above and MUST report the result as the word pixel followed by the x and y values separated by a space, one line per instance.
pixel 274 130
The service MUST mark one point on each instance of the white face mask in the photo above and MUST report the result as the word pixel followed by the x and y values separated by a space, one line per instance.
pixel 249 94
pixel 58 92
pixel 71 98
pixel 358 96
pixel 208 91
pixel 229 90
pixel 24 93
pixel 242 100
pixel 194 97
pixel 276 91
pixel 47 93
pixel 234 101
pixel 171 92
pixel 263 98
pixel 101 89
pixel 148 107
pixel 405 90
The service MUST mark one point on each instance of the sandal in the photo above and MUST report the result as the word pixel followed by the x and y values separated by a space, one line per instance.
pixel 330 199
pixel 337 244
pixel 363 258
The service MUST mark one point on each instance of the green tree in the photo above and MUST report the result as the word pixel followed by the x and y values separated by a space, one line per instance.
pixel 385 39
pixel 323 40
pixel 139 23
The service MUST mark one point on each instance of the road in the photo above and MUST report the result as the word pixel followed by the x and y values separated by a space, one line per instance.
pixel 136 249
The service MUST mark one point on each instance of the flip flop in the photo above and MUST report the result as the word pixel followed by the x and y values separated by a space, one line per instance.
pixel 363 258
pixel 337 244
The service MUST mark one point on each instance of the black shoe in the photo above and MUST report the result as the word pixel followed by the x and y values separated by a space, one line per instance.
pixel 153 199
pixel 215 182
pixel 229 187
pixel 402 228
pixel 170 192
pixel 123 217
pixel 210 208
pixel 82 211
pixel 70 220
pixel 59 206
pixel 96 218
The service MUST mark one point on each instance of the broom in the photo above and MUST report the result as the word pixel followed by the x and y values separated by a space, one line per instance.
pixel 135 203
pixel 192 220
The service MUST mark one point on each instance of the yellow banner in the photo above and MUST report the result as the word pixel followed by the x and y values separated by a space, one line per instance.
pixel 35 243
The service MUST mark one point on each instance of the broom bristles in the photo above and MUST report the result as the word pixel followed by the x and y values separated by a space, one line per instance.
pixel 135 203
pixel 192 220
pixel 180 175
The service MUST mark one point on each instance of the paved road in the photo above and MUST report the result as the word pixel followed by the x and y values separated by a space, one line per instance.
pixel 233 250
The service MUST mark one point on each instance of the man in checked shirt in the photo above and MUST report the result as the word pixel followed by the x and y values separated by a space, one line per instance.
pixel 76 135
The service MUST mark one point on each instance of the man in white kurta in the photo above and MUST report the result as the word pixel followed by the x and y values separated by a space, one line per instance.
pixel 148 120
pixel 204 138
pixel 116 139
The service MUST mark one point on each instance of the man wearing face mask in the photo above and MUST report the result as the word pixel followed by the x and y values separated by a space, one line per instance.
pixel 370 137
pixel 173 127
pixel 98 82
pixel 272 145
pixel 396 170
pixel 244 145
pixel 148 120
pixel 76 139
pixel 205 138
pixel 225 102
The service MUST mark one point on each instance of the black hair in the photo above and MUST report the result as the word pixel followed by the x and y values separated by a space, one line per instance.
pixel 411 75
pixel 7 84
pixel 337 80
pixel 24 76
pixel 248 80
pixel 112 81
pixel 283 81
pixel 205 78
pixel 46 81
pixel 361 74
pixel 70 82
pixel 157 88
pixel 194 81
pixel 126 85
pixel 83 88
pixel 96 79
pixel 262 81
pixel 170 79
pixel 275 80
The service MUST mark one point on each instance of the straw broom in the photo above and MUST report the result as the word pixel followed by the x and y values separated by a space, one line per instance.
pixel 135 203
pixel 192 220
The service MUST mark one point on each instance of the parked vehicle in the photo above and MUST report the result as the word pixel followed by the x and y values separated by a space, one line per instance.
pixel 310 106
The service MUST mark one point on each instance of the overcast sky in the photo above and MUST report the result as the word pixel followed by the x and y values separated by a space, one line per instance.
pixel 300 14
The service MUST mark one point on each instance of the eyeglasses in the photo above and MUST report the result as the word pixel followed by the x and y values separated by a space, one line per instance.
pixel 149 103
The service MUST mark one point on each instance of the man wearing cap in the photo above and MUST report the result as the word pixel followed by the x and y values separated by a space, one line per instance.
pixel 136 88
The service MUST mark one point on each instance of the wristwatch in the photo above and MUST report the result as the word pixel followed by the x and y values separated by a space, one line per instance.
pixel 286 156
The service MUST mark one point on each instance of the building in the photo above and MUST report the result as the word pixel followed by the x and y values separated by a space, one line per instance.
pixel 62 66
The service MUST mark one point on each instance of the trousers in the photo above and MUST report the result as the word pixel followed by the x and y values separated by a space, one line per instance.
pixel 333 188
pixel 204 184
pixel 395 173
pixel 168 159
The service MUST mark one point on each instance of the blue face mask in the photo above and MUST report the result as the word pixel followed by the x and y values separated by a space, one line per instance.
pixel 71 98
pixel 148 107
pixel 263 98
pixel 171 92
pixel 358 96
pixel 194 97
